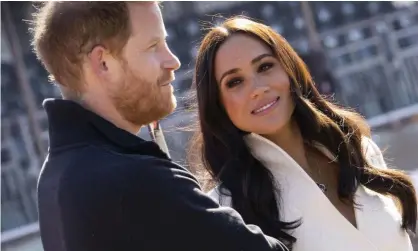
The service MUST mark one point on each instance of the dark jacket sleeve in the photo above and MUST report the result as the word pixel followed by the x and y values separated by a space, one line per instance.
pixel 154 205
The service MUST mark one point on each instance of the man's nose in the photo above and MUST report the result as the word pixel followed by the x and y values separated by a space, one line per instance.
pixel 172 62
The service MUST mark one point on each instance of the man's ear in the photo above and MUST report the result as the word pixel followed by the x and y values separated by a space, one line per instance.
pixel 97 60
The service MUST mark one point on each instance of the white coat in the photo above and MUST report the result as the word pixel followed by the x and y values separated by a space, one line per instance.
pixel 323 227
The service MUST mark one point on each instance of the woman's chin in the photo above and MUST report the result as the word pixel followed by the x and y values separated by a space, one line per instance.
pixel 267 131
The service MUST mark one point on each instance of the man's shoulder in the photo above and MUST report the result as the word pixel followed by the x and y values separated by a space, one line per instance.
pixel 94 164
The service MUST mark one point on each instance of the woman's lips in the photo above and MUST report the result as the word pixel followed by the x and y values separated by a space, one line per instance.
pixel 266 107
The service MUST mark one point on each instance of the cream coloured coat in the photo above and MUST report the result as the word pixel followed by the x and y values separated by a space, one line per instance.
pixel 323 227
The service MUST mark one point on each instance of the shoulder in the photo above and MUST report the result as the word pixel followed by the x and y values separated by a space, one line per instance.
pixel 221 195
pixel 373 153
pixel 112 171
pixel 369 146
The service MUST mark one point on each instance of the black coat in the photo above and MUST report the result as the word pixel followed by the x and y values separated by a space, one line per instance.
pixel 102 188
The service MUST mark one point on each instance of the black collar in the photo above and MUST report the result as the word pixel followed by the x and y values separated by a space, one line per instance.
pixel 71 124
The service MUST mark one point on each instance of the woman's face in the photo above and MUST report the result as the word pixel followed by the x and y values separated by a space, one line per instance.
pixel 254 88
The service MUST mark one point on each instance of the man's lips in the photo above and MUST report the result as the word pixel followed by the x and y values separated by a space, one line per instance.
pixel 165 83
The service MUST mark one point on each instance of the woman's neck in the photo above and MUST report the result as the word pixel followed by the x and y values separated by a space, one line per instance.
pixel 291 141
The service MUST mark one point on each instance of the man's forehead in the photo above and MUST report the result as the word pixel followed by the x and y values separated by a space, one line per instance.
pixel 146 20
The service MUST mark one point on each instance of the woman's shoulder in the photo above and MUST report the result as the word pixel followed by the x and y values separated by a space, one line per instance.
pixel 370 150
pixel 373 153
pixel 221 195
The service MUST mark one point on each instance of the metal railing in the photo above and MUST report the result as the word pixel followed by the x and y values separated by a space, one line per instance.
pixel 378 75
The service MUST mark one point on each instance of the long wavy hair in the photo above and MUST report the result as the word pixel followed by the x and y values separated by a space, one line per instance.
pixel 225 156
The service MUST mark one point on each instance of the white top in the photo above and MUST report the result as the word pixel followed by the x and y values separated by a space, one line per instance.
pixel 323 226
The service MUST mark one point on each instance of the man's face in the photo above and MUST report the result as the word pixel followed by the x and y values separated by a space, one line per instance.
pixel 140 88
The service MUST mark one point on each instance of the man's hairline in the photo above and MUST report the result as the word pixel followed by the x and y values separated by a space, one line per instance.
pixel 151 39
pixel 119 53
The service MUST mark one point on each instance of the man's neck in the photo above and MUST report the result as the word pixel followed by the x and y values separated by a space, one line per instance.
pixel 108 112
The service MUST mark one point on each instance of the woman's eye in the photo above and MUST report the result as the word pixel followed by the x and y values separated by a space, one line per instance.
pixel 233 82
pixel 265 67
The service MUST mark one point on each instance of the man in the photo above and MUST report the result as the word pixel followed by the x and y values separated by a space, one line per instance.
pixel 101 187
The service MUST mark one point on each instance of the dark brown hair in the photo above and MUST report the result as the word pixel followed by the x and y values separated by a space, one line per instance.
pixel 63 32
pixel 224 154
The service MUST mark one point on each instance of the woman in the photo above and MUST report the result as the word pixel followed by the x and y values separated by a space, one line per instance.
pixel 289 161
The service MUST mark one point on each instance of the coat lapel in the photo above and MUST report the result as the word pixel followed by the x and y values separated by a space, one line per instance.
pixel 379 220
pixel 323 227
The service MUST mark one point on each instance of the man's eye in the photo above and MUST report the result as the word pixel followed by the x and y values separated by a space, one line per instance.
pixel 153 46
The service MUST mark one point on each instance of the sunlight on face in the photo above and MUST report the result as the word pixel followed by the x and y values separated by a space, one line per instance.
pixel 254 88
pixel 144 92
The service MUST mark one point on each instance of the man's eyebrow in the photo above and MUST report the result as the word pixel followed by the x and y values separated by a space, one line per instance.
pixel 158 38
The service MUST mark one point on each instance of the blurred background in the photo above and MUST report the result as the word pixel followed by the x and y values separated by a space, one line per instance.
pixel 365 54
